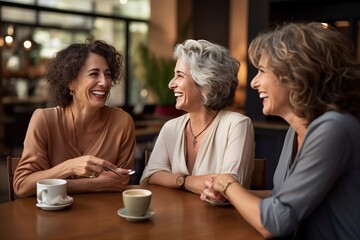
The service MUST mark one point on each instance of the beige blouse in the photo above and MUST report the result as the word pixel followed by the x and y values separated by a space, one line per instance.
pixel 51 139
pixel 228 147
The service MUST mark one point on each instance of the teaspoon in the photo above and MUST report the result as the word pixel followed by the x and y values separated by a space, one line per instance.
pixel 109 169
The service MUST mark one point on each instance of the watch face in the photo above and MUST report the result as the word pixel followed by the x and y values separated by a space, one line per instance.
pixel 180 181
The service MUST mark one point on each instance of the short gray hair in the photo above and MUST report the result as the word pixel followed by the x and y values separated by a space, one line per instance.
pixel 213 70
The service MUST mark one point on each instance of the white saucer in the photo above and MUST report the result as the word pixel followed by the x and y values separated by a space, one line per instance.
pixel 215 203
pixel 44 206
pixel 123 213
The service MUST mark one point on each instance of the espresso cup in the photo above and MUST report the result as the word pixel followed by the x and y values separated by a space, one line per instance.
pixel 51 191
pixel 136 201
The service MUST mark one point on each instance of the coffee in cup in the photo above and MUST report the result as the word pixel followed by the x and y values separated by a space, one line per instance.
pixel 52 191
pixel 136 201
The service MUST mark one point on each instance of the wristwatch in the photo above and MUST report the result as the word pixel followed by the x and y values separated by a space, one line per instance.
pixel 180 181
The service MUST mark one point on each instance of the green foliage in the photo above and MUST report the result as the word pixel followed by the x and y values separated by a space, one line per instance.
pixel 156 76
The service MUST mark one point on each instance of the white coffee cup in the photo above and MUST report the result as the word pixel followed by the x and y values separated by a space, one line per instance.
pixel 51 191
pixel 136 201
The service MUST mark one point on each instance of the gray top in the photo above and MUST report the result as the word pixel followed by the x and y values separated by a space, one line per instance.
pixel 318 195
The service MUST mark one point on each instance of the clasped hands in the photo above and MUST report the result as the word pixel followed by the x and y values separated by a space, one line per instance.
pixel 215 188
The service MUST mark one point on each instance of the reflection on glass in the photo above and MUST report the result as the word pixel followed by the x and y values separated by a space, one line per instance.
pixel 12 14
pixel 54 30
pixel 113 32
pixel 138 36
pixel 53 40
pixel 75 5
pixel 133 9
pixel 65 20
pixel 30 2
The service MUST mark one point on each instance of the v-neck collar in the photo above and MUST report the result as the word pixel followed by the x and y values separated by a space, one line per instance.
pixel 72 141
pixel 205 140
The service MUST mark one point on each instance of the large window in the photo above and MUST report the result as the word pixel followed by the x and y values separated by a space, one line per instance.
pixel 32 31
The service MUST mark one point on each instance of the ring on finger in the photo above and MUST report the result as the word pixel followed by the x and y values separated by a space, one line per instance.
pixel 94 175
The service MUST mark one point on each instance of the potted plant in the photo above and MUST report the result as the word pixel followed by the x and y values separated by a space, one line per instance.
pixel 156 75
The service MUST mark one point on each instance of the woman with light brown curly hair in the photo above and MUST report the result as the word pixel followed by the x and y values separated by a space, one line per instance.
pixel 81 136
pixel 307 75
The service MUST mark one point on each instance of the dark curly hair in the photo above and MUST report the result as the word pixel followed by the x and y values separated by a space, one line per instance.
pixel 67 63
pixel 316 63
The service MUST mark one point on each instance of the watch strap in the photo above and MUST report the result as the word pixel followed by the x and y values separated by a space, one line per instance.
pixel 183 184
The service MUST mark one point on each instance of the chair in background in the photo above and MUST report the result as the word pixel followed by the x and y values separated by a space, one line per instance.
pixel 14 132
pixel 6 140
pixel 12 163
pixel 147 154
pixel 258 177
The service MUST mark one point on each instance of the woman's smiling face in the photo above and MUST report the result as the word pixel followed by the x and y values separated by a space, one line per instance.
pixel 188 95
pixel 93 83
pixel 274 94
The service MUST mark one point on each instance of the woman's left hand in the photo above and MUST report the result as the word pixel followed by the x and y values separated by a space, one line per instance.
pixel 213 189
pixel 195 184
pixel 113 182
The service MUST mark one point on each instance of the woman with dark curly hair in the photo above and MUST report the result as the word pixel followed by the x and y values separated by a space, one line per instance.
pixel 81 136
pixel 308 75
pixel 207 139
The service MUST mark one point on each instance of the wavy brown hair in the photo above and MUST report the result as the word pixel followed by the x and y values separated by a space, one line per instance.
pixel 67 63
pixel 317 63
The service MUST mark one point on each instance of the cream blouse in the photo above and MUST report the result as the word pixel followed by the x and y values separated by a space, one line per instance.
pixel 228 147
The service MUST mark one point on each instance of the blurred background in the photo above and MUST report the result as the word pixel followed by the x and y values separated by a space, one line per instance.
pixel 146 31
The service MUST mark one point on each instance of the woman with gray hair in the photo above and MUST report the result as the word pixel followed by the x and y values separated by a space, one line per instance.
pixel 207 139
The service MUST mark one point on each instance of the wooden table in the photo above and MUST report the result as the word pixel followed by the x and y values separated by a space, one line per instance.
pixel 178 215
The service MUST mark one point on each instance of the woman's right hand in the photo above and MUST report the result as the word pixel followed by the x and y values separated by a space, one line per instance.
pixel 88 166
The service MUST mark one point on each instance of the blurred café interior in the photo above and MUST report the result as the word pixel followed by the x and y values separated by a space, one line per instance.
pixel 32 31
